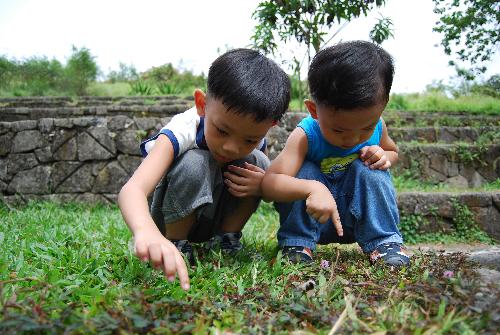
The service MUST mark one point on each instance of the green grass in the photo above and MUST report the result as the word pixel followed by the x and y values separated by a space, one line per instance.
pixel 406 184
pixel 101 89
pixel 433 102
pixel 438 102
pixel 69 269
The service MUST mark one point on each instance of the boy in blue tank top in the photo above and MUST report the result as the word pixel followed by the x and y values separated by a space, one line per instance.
pixel 331 182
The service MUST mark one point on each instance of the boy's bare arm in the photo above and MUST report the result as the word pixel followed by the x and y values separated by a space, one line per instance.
pixel 133 196
pixel 149 243
pixel 389 146
pixel 280 184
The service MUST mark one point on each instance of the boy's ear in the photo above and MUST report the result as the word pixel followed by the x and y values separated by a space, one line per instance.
pixel 199 101
pixel 311 107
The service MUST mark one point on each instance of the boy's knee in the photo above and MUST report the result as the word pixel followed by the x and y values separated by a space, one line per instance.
pixel 194 157
pixel 257 158
pixel 368 175
pixel 192 165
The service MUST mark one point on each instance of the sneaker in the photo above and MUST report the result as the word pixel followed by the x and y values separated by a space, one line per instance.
pixel 230 242
pixel 185 248
pixel 227 242
pixel 297 254
pixel 393 254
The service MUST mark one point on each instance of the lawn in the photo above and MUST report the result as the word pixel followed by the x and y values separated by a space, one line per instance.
pixel 69 269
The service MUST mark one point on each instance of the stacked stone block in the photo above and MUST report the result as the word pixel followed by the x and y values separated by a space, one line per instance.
pixel 85 149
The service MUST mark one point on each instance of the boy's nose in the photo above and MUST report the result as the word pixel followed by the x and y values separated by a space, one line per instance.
pixel 351 140
pixel 230 148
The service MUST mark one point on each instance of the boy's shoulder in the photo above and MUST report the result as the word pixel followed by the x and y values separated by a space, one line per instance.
pixel 182 130
pixel 188 116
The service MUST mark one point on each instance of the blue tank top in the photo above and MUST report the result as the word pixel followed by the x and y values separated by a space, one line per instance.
pixel 329 157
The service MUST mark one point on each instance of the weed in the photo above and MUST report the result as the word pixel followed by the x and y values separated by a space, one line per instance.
pixel 141 88
pixel 68 269
pixel 410 227
pixel 166 88
pixel 466 228
pixel 469 154
pixel 141 134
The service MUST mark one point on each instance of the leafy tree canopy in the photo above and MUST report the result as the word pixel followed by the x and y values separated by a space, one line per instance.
pixel 470 30
pixel 310 23
pixel 307 21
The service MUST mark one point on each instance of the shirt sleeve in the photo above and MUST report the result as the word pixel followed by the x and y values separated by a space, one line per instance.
pixel 380 126
pixel 308 124
pixel 181 131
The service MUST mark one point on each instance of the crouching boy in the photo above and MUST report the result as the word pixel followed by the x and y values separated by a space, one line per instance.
pixel 331 180
pixel 206 165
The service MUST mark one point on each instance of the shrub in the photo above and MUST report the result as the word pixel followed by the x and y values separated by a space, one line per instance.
pixel 124 74
pixel 81 69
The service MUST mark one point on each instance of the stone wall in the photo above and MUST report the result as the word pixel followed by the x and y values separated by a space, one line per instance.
pixel 438 209
pixel 90 156
pixel 96 155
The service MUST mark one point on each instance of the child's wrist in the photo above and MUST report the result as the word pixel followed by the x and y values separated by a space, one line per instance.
pixel 145 228
pixel 313 186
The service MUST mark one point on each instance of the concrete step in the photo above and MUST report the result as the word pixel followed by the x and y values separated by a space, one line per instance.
pixel 483 134
pixel 486 255
pixel 32 108
pixel 414 119
pixel 458 165
pixel 435 212
pixel 9 114
pixel 422 119
pixel 85 101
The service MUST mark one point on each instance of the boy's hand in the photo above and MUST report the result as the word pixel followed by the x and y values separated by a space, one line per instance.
pixel 244 181
pixel 375 157
pixel 151 245
pixel 321 205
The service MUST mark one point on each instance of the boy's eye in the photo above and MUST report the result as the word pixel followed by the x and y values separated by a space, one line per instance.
pixel 337 131
pixel 220 131
pixel 252 142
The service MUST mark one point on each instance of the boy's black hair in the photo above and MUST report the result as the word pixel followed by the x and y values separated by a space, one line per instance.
pixel 350 75
pixel 247 82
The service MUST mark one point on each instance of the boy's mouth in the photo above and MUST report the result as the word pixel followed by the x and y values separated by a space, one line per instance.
pixel 220 158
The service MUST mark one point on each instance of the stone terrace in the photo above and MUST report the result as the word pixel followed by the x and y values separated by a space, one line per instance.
pixel 85 150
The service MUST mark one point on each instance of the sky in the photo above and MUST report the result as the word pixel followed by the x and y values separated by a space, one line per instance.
pixel 190 34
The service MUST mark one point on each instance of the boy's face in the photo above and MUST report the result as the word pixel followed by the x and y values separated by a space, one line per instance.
pixel 230 136
pixel 346 128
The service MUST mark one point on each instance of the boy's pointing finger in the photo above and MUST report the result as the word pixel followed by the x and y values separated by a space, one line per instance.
pixel 337 223
pixel 141 250
pixel 182 272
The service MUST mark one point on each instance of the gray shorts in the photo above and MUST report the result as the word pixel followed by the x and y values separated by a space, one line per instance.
pixel 195 183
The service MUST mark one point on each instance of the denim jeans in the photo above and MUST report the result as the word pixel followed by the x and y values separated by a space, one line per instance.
pixel 366 202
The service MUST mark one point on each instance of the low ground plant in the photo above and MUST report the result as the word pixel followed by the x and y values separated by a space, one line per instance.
pixel 438 102
pixel 70 269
